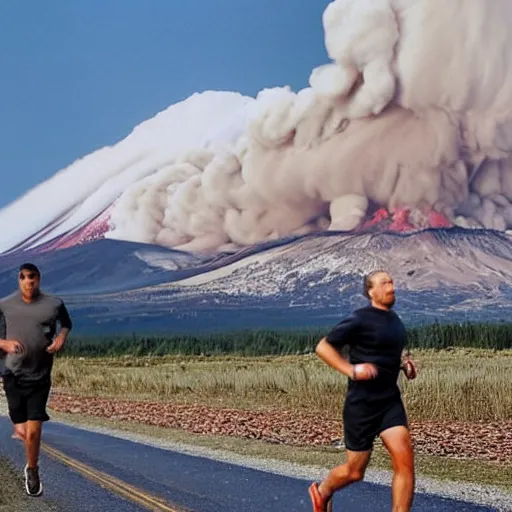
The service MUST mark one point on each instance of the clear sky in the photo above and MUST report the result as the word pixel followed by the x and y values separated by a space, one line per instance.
pixel 76 75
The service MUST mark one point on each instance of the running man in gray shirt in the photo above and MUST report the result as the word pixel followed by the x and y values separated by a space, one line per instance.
pixel 30 340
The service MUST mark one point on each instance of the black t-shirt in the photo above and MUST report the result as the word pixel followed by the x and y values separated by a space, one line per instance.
pixel 373 336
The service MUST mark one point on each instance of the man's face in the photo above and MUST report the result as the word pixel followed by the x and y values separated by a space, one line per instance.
pixel 29 282
pixel 382 292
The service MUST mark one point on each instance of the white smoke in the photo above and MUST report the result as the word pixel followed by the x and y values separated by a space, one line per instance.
pixel 78 193
pixel 414 111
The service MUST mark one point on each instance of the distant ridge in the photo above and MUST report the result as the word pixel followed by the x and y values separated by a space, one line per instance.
pixel 449 274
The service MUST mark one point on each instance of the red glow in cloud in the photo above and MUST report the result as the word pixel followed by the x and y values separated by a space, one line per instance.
pixel 400 220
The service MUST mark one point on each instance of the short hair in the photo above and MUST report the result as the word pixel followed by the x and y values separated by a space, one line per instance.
pixel 30 267
pixel 368 281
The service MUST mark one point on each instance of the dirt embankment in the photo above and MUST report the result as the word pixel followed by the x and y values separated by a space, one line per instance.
pixel 461 440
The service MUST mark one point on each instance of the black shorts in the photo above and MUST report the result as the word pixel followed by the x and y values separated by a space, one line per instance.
pixel 26 399
pixel 363 421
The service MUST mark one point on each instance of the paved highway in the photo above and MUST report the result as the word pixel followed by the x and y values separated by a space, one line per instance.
pixel 86 471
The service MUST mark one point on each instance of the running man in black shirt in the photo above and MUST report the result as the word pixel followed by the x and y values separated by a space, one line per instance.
pixel 376 338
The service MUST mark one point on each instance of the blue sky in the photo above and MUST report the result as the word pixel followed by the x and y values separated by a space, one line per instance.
pixel 78 75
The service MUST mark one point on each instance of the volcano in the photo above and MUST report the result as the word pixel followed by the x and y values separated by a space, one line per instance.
pixel 225 208
pixel 445 275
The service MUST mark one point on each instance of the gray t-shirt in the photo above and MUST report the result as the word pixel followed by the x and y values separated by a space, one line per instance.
pixel 34 325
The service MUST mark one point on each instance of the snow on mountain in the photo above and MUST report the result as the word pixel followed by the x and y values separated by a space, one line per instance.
pixel 420 262
pixel 450 275
pixel 74 197
pixel 313 264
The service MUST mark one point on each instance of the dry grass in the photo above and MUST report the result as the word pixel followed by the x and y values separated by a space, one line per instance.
pixel 462 384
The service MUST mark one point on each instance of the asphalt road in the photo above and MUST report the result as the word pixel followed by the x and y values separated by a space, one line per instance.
pixel 192 483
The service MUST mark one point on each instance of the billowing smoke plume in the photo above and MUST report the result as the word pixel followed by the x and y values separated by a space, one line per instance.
pixel 76 202
pixel 414 115
pixel 409 126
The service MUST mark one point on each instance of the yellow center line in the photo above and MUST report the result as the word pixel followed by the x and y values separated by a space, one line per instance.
pixel 113 484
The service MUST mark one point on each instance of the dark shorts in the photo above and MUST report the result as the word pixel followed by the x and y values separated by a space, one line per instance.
pixel 26 399
pixel 363 421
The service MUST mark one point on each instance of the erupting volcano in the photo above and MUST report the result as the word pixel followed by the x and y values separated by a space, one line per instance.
pixel 404 220
pixel 409 127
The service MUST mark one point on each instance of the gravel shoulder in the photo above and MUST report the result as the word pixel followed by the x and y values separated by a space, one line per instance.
pixel 12 495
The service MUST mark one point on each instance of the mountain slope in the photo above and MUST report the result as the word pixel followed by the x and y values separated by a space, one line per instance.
pixel 419 262
pixel 100 267
pixel 118 286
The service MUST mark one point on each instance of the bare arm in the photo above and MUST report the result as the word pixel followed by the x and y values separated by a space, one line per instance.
pixel 11 346
pixel 329 355
pixel 408 366
pixel 8 346
pixel 334 359
pixel 62 336
pixel 59 341
pixel 406 355
pixel 2 325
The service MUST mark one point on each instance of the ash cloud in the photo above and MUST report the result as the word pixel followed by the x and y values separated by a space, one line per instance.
pixel 414 112
pixel 412 117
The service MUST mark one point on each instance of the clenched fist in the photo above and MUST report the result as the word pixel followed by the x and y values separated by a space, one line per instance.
pixel 11 346
pixel 409 369
pixel 365 371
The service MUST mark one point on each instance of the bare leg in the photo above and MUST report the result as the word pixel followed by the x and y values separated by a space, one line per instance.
pixel 398 442
pixel 33 442
pixel 341 476
pixel 19 432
